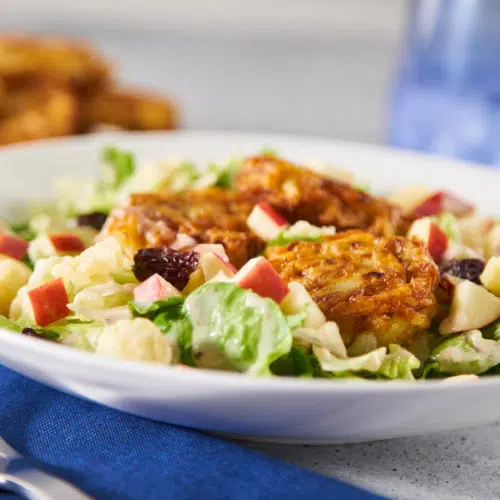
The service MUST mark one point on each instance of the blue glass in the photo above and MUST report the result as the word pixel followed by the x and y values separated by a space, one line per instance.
pixel 446 98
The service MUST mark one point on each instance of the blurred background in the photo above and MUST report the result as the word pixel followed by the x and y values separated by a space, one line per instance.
pixel 368 70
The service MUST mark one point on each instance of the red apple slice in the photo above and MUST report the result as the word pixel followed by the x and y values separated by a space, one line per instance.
pixel 265 222
pixel 67 242
pixel 440 202
pixel 432 235
pixel 216 248
pixel 212 264
pixel 260 276
pixel 13 246
pixel 153 289
pixel 49 302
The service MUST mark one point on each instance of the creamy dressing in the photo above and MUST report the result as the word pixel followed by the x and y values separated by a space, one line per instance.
pixel 209 312
pixel 472 354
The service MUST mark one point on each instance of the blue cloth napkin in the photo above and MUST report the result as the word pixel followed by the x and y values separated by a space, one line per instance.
pixel 112 455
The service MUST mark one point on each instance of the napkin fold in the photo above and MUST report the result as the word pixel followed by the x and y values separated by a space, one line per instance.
pixel 112 455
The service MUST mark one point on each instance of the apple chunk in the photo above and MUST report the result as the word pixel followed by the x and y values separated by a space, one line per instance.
pixel 67 242
pixel 299 301
pixel 409 198
pixel 212 264
pixel 13 246
pixel 13 275
pixel 440 202
pixel 490 277
pixel 49 302
pixel 215 248
pixel 260 276
pixel 265 222
pixel 48 245
pixel 153 289
pixel 432 235
pixel 472 307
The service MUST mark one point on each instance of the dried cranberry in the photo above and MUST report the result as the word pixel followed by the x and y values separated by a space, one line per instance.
pixel 174 266
pixel 467 269
pixel 94 219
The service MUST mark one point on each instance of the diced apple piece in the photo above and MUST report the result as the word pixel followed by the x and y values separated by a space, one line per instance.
pixel 213 264
pixel 55 244
pixel 13 246
pixel 216 248
pixel 490 277
pixel 196 279
pixel 472 307
pixel 13 275
pixel 474 231
pixel 153 289
pixel 67 242
pixel 298 301
pixel 493 242
pixel 49 302
pixel 409 198
pixel 183 241
pixel 440 202
pixel 265 222
pixel 457 251
pixel 432 235
pixel 260 276
pixel 446 288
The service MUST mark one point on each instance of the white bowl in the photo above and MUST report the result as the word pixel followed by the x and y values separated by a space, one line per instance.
pixel 278 409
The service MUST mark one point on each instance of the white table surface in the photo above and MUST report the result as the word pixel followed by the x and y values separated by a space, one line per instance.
pixel 329 87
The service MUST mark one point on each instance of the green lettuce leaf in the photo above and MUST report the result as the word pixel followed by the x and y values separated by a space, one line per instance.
pixel 222 174
pixel 236 329
pixel 282 239
pixel 467 353
pixel 296 320
pixel 7 324
pixel 399 364
pixel 492 331
pixel 296 363
pixel 151 311
pixel 366 363
pixel 48 333
pixel 169 316
pixel 122 164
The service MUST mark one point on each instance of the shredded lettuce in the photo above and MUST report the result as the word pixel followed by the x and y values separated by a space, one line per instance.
pixel 467 353
pixel 296 363
pixel 367 363
pixel 7 324
pixel 121 163
pixel 399 364
pixel 221 325
pixel 220 174
pixel 492 331
pixel 301 230
pixel 282 239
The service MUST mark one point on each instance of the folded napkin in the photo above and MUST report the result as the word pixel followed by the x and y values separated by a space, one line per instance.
pixel 112 455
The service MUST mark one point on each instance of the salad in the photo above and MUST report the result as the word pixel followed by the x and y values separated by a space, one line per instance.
pixel 258 266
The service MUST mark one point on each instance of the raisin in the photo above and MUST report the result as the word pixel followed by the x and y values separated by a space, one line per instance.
pixel 94 219
pixel 467 269
pixel 174 266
